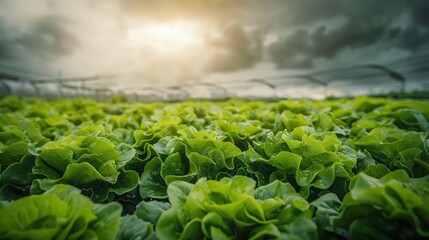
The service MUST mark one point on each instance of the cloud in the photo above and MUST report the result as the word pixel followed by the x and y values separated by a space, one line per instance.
pixel 366 25
pixel 236 49
pixel 306 12
pixel 416 35
pixel 46 39
pixel 289 50
pixel 49 37
pixel 301 47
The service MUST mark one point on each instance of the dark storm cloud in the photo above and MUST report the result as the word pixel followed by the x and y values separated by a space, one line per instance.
pixel 367 24
pixel 417 33
pixel 45 39
pixel 299 48
pixel 237 49
pixel 50 36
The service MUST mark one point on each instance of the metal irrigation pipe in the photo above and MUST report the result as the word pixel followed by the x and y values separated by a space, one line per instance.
pixel 136 95
pixel 391 73
pixel 315 80
pixel 263 82
pixel 311 79
pixel 224 90
pixel 14 77
pixel 407 60
pixel 394 75
pixel 74 79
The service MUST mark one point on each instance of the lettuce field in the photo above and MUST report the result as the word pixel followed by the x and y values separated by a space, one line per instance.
pixel 291 169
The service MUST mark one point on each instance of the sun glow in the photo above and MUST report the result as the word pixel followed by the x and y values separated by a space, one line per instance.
pixel 164 37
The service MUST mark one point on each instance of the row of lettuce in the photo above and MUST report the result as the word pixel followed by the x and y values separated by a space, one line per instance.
pixel 296 169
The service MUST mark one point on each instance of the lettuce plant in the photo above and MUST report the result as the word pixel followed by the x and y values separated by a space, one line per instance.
pixel 394 206
pixel 60 213
pixel 86 161
pixel 233 209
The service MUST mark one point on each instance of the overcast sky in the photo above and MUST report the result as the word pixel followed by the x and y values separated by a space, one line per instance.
pixel 169 42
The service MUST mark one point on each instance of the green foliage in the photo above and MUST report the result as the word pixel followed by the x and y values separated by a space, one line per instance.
pixel 293 169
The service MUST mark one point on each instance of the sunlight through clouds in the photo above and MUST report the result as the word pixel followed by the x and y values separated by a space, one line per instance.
pixel 164 37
